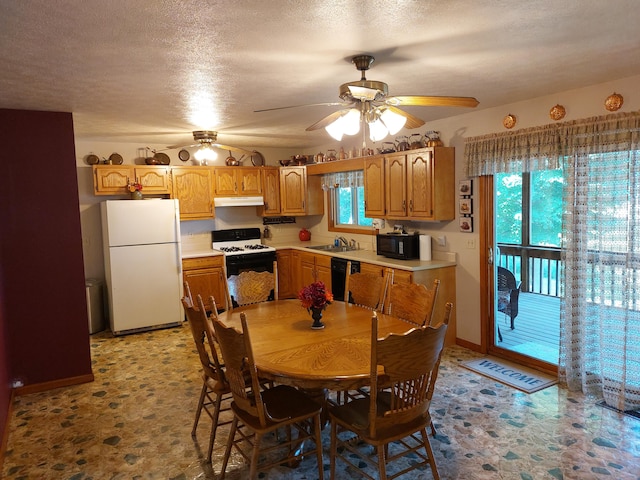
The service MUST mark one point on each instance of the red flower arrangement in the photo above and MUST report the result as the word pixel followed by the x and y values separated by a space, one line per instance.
pixel 315 296
pixel 135 187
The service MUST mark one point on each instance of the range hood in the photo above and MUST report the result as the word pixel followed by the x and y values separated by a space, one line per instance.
pixel 237 201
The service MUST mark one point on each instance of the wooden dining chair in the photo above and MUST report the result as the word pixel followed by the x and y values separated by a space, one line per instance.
pixel 366 289
pixel 404 370
pixel 215 388
pixel 252 287
pixel 412 302
pixel 264 411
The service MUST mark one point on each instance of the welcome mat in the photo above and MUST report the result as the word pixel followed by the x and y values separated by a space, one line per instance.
pixel 527 380
pixel 630 413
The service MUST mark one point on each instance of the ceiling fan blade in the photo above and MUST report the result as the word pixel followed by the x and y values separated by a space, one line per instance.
pixel 171 147
pixel 427 101
pixel 327 120
pixel 412 122
pixel 232 149
pixel 331 104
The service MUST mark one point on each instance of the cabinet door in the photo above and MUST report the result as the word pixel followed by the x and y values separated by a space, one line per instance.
pixel 372 269
pixel 402 276
pixel 307 273
pixel 226 181
pixel 420 185
pixel 323 274
pixel 292 190
pixel 193 186
pixel 285 281
pixel 271 192
pixel 111 180
pixel 153 179
pixel 396 186
pixel 374 188
pixel 250 181
pixel 207 282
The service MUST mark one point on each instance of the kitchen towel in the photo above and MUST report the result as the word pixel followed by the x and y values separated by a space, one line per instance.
pixel 425 248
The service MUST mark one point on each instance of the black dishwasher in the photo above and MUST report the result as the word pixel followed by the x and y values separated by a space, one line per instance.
pixel 339 274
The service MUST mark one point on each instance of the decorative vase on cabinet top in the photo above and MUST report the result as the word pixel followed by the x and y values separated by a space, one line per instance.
pixel 304 235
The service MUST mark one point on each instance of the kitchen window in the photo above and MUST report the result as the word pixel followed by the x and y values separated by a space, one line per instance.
pixel 346 202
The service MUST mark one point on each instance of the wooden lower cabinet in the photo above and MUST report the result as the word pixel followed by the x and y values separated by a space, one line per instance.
pixel 286 285
pixel 314 268
pixel 206 277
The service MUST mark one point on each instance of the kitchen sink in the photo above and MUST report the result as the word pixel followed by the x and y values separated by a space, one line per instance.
pixel 332 248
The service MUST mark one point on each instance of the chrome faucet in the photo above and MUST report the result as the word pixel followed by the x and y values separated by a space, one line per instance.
pixel 343 241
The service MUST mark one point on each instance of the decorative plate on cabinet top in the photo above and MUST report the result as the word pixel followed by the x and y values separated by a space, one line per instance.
pixel 115 159
pixel 257 160
pixel 184 155
pixel 163 158
pixel 92 159
pixel 509 121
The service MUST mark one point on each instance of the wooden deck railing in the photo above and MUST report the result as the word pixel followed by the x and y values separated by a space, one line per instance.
pixel 538 268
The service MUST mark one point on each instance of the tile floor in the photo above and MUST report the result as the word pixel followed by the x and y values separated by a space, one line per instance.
pixel 134 421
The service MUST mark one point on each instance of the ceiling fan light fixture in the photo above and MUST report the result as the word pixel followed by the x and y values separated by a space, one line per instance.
pixel 205 153
pixel 393 121
pixel 347 124
pixel 335 129
pixel 377 130
pixel 351 122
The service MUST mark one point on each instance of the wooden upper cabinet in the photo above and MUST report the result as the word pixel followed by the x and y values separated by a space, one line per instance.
pixel 420 185
pixel 396 186
pixel 250 181
pixel 153 179
pixel 300 194
pixel 430 184
pixel 193 186
pixel 374 187
pixel 226 181
pixel 233 181
pixel 111 179
pixel 270 191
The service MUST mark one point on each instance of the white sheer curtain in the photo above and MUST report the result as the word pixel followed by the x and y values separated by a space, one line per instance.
pixel 353 178
pixel 600 308
pixel 600 313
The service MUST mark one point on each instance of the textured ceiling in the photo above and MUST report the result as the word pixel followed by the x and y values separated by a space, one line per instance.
pixel 150 72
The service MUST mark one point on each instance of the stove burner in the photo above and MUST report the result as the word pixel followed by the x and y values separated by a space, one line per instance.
pixel 257 246
pixel 231 249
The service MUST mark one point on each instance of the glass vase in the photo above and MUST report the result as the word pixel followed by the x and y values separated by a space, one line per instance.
pixel 136 195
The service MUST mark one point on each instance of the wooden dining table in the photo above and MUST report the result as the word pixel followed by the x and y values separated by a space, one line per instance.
pixel 288 351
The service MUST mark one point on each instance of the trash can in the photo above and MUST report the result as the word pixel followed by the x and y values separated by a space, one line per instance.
pixel 95 304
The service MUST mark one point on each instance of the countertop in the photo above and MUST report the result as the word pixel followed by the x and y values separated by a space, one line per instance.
pixel 441 260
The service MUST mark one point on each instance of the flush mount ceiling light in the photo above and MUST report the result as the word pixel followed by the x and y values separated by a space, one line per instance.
pixel 374 108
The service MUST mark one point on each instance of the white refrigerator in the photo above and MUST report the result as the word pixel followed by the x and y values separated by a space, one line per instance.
pixel 143 264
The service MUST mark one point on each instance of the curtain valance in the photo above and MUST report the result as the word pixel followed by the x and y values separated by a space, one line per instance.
pixel 542 148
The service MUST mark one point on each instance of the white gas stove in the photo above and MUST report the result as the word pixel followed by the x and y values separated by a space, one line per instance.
pixel 243 250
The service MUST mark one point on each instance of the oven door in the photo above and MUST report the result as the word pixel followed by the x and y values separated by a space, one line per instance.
pixel 246 262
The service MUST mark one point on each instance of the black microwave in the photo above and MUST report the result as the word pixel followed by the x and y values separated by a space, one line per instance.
pixel 402 246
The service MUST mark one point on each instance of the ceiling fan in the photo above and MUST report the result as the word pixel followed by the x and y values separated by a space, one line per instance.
pixel 207 141
pixel 368 102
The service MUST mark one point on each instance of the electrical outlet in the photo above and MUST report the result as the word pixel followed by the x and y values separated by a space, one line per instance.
pixel 471 243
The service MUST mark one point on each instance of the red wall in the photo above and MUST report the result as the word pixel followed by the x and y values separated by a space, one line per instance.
pixel 43 310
